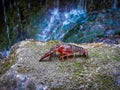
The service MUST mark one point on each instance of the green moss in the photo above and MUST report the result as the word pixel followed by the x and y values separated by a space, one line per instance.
pixel 77 70
pixel 52 42
pixel 7 64
pixel 57 88
pixel 78 65
pixel 32 44
pixel 24 70
pixel 117 58
pixel 105 53
pixel 105 82
pixel 116 54
pixel 95 54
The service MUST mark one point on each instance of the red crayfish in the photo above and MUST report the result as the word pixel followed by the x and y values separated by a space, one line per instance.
pixel 65 50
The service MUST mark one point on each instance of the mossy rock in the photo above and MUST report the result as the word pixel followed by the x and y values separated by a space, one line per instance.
pixel 52 42
pixel 6 64
pixel 99 71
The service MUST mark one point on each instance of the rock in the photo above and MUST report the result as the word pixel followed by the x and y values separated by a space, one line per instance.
pixel 24 71
pixel 109 33
pixel 97 27
pixel 105 24
pixel 0 56
pixel 118 81
pixel 109 41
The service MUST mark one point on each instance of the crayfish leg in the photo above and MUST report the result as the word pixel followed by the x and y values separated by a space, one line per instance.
pixel 62 57
pixel 67 55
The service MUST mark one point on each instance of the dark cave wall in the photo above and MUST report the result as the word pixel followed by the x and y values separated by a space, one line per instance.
pixel 95 5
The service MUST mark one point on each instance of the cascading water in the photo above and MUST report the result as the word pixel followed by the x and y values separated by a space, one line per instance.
pixel 29 5
pixel 114 4
pixel 7 27
pixel 82 5
pixel 56 2
pixel 19 19
pixel 10 4
pixel 59 23
pixel 14 2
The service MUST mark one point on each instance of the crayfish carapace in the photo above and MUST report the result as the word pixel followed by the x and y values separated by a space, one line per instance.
pixel 65 50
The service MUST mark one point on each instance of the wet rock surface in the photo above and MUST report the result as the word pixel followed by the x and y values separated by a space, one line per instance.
pixel 24 71
pixel 103 24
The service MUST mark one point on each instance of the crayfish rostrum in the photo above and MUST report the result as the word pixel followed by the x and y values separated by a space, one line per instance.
pixel 65 50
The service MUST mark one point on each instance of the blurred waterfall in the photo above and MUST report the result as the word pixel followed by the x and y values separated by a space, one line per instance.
pixel 82 5
pixel 58 23
pixel 114 4
pixel 10 4
pixel 29 5
pixel 20 34
pixel 14 2
pixel 7 27
pixel 57 1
